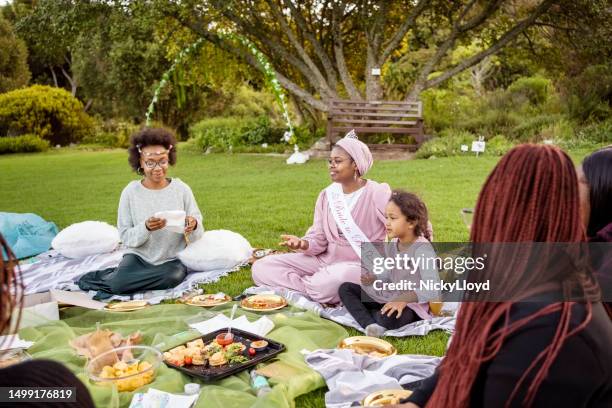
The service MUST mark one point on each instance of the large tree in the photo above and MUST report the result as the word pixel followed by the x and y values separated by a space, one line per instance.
pixel 322 49
pixel 14 72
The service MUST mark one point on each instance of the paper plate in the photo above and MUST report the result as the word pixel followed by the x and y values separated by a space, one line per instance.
pixel 385 397
pixel 208 300
pixel 369 346
pixel 263 303
pixel 127 306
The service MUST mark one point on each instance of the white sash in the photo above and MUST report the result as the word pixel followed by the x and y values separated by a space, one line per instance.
pixel 344 219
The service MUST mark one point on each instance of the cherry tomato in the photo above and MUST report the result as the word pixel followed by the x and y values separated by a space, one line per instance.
pixel 187 360
pixel 252 351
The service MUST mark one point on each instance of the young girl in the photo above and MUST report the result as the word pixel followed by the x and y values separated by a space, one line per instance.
pixel 378 310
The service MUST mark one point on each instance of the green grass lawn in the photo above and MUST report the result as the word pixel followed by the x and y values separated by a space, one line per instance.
pixel 257 196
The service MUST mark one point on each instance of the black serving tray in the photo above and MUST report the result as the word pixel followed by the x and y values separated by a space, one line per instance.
pixel 208 373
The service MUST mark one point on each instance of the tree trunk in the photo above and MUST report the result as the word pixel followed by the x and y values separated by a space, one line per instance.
pixel 54 76
pixel 374 90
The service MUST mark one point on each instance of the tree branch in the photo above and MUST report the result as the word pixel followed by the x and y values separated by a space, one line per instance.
pixel 399 35
pixel 345 75
pixel 498 45
pixel 251 60
pixel 328 66
pixel 267 39
pixel 300 50
pixel 450 41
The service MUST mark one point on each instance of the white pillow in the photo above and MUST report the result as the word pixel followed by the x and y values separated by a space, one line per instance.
pixel 217 249
pixel 86 238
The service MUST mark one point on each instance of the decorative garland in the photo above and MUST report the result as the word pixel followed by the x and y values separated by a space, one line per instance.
pixel 269 75
pixel 166 77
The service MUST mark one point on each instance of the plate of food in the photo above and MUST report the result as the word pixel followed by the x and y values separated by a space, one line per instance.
pixel 209 300
pixel 385 397
pixel 128 306
pixel 369 346
pixel 128 368
pixel 216 355
pixel 263 303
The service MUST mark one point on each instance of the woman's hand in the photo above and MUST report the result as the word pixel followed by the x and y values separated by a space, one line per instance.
pixel 391 307
pixel 293 242
pixel 154 224
pixel 406 405
pixel 367 278
pixel 190 224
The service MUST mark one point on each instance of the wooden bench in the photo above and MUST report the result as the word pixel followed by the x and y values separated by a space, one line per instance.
pixel 376 117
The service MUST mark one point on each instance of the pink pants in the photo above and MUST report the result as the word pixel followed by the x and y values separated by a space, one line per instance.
pixel 306 274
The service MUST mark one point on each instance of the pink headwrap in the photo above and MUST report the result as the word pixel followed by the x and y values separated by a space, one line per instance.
pixel 358 150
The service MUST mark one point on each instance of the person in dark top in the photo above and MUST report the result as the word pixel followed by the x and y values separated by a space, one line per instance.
pixel 33 373
pixel 543 351
pixel 595 185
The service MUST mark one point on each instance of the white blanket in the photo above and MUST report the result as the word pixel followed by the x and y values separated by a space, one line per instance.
pixel 350 377
pixel 341 315
pixel 51 270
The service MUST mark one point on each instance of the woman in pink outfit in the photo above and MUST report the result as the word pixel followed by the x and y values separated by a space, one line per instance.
pixel 325 258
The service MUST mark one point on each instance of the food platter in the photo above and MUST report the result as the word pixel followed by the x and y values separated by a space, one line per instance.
pixel 263 303
pixel 128 306
pixel 385 397
pixel 369 346
pixel 209 300
pixel 207 359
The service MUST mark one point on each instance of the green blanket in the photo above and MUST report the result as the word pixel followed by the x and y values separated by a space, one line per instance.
pixel 166 324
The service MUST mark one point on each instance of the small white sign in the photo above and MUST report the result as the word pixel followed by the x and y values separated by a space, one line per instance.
pixel 478 147
pixel 465 148
pixel 376 71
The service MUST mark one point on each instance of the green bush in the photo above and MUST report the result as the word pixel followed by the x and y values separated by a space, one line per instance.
pixel 562 129
pixel 597 132
pixel 531 127
pixel 221 133
pixel 535 88
pixel 490 122
pixel 112 133
pixel 443 108
pixel 588 96
pixel 450 141
pixel 52 113
pixel 23 144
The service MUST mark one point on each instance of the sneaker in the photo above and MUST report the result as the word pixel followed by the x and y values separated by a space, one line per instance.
pixel 375 330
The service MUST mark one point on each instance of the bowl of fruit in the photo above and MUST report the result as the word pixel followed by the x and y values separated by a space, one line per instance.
pixel 128 367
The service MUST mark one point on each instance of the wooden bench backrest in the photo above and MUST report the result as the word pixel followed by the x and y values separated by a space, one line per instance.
pixel 375 117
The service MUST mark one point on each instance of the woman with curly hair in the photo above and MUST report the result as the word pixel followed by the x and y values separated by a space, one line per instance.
pixel 150 261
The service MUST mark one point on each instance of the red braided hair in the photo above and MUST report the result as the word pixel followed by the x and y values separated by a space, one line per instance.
pixel 530 196
pixel 11 288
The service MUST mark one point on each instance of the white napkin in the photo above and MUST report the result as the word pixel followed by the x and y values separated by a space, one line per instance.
pixel 175 220
pixel 12 341
pixel 160 399
pixel 261 326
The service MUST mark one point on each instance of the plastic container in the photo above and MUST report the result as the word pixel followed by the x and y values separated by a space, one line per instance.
pixel 108 369
pixel 260 384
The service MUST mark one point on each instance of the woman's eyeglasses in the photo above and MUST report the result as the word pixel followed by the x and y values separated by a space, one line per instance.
pixel 151 164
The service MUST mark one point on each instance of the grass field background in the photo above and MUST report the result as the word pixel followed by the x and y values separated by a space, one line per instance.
pixel 257 196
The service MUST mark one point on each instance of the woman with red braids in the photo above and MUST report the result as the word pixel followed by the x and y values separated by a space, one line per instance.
pixel 33 373
pixel 543 351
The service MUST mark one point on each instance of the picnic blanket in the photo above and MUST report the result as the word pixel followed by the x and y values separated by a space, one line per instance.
pixel 165 325
pixel 51 270
pixel 351 377
pixel 341 315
